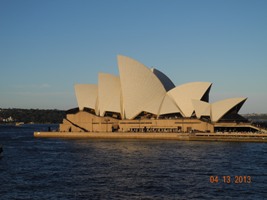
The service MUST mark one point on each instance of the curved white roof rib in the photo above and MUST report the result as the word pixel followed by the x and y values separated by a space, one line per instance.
pixel 168 106
pixel 220 108
pixel 165 80
pixel 184 94
pixel 202 108
pixel 86 95
pixel 109 93
pixel 141 89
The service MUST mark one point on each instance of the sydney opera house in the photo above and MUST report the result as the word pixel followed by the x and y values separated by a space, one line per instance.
pixel 141 99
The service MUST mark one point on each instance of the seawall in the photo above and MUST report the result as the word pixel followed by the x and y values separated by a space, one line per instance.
pixel 231 137
pixel 110 135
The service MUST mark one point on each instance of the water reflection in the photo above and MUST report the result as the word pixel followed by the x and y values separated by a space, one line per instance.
pixel 123 169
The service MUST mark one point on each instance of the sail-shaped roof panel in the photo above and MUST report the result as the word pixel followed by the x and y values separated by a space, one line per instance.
pixel 220 108
pixel 109 93
pixel 165 80
pixel 201 108
pixel 168 106
pixel 141 89
pixel 86 95
pixel 184 94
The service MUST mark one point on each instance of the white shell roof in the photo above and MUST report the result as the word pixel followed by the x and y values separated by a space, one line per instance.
pixel 86 95
pixel 109 93
pixel 202 108
pixel 168 106
pixel 184 94
pixel 141 89
pixel 165 80
pixel 220 108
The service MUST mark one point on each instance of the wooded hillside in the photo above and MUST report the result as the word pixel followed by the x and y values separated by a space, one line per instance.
pixel 31 115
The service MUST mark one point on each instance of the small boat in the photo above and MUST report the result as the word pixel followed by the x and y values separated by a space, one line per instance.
pixel 19 123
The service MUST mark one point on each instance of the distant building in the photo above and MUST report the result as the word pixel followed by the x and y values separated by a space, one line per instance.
pixel 146 99
pixel 9 119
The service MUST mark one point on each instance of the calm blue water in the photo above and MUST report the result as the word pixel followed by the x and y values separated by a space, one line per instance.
pixel 106 169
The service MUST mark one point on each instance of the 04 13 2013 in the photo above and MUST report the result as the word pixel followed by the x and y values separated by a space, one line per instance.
pixel 239 179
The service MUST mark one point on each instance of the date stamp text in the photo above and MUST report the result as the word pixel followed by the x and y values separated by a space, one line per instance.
pixel 231 179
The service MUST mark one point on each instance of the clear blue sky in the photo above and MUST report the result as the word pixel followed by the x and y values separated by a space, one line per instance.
pixel 47 46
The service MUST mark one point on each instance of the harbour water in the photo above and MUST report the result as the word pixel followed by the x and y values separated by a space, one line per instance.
pixel 34 168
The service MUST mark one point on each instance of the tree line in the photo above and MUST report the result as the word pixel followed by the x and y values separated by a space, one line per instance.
pixel 12 115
